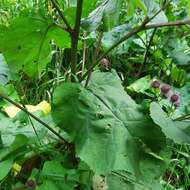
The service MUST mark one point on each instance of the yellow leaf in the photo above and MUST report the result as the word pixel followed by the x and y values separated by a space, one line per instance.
pixel 16 168
pixel 11 111
pixel 44 106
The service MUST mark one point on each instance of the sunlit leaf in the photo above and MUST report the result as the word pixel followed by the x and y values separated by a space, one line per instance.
pixel 28 48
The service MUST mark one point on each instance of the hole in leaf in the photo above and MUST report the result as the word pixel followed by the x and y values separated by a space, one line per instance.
pixel 22 65
pixel 100 116
pixel 35 61
pixel 19 47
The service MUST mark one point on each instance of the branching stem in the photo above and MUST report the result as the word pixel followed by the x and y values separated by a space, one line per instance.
pixel 128 35
pixel 134 31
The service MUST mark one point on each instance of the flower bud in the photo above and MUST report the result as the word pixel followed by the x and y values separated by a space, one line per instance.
pixel 165 88
pixel 174 98
pixel 155 84
pixel 30 183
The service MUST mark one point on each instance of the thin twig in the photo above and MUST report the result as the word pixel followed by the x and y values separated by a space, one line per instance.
pixel 54 3
pixel 32 124
pixel 84 55
pixel 146 52
pixel 30 120
pixel 144 43
pixel 169 24
pixel 135 31
pixel 183 117
pixel 98 45
pixel 34 117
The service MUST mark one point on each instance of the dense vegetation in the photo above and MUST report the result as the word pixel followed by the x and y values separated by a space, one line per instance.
pixel 94 94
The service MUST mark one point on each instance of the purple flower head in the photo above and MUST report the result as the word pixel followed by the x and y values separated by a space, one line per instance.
pixel 165 88
pixel 30 183
pixel 174 98
pixel 155 84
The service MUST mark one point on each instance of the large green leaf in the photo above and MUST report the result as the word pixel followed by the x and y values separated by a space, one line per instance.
pixel 3 31
pixel 26 45
pixel 82 119
pixel 10 130
pixel 48 185
pixel 184 107
pixel 152 8
pixel 109 90
pixel 177 49
pixel 141 85
pixel 104 12
pixel 53 169
pixel 88 6
pixel 4 71
pixel 5 168
pixel 114 35
pixel 133 4
pixel 105 124
pixel 178 131
pixel 54 173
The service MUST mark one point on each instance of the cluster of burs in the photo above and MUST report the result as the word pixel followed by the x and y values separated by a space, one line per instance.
pixel 167 92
